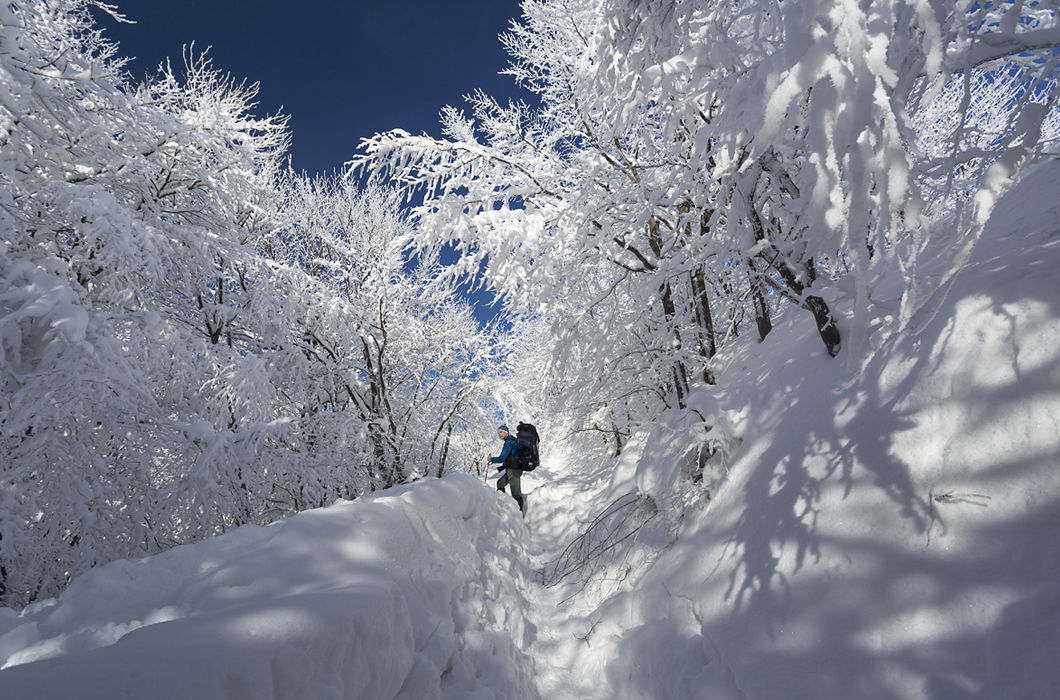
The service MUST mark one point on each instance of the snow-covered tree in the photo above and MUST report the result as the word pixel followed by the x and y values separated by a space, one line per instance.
pixel 191 339
pixel 129 222
pixel 692 165
pixel 392 343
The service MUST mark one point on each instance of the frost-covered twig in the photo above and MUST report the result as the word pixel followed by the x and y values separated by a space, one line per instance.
pixel 601 543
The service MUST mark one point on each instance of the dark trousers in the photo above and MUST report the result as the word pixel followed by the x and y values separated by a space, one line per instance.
pixel 511 478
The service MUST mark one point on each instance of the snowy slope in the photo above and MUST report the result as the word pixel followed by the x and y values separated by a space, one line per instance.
pixel 412 593
pixel 887 535
pixel 896 533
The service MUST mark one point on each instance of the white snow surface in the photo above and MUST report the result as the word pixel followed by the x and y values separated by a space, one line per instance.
pixel 886 535
pixel 890 534
pixel 411 593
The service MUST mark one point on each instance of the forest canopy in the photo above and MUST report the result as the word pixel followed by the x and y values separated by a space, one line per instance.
pixel 193 338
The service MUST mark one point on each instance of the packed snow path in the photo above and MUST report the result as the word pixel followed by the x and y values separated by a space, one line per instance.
pixel 423 591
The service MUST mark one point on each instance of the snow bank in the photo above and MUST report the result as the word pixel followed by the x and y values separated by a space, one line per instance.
pixel 890 535
pixel 894 535
pixel 411 593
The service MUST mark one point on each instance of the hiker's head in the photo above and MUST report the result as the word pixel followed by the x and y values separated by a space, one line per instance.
pixel 502 431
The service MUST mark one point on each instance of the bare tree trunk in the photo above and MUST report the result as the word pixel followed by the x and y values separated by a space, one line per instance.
pixel 680 372
pixel 382 469
pixel 3 576
pixel 826 326
pixel 445 452
pixel 794 287
pixel 762 316
pixel 706 343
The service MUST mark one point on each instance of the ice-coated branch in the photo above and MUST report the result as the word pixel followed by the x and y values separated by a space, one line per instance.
pixel 987 47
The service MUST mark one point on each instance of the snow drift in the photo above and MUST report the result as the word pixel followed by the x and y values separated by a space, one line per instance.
pixel 411 593
pixel 883 535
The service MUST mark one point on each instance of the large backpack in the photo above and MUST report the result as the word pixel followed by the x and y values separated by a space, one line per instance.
pixel 526 438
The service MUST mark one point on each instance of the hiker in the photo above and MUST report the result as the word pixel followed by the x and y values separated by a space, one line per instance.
pixel 508 461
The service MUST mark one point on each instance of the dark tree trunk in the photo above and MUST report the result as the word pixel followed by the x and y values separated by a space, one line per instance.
pixel 826 326
pixel 794 286
pixel 680 372
pixel 445 452
pixel 701 303
pixel 3 576
pixel 762 316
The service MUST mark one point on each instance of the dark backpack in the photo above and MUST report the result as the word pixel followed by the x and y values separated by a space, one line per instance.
pixel 526 438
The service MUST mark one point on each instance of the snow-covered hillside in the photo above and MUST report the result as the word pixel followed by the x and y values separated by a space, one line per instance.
pixel 888 532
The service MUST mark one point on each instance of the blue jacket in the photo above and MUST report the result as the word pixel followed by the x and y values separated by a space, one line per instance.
pixel 508 454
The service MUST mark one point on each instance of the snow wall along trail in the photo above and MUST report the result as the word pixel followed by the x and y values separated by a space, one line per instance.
pixel 415 593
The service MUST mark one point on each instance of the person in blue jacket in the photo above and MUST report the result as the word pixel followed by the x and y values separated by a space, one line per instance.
pixel 508 461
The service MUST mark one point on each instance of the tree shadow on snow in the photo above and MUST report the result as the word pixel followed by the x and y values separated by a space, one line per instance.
pixel 959 597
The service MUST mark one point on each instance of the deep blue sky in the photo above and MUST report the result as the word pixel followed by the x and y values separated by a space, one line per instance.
pixel 342 69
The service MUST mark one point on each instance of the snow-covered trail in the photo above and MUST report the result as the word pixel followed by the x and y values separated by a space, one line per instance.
pixel 431 590
pixel 567 666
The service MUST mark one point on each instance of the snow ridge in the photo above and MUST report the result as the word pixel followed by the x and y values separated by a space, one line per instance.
pixel 412 593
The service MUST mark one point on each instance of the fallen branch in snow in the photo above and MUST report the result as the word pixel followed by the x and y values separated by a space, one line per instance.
pixel 599 545
pixel 589 633
pixel 976 499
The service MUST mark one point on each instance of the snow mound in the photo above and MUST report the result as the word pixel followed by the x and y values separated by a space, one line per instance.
pixel 411 593
pixel 893 534
pixel 888 534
